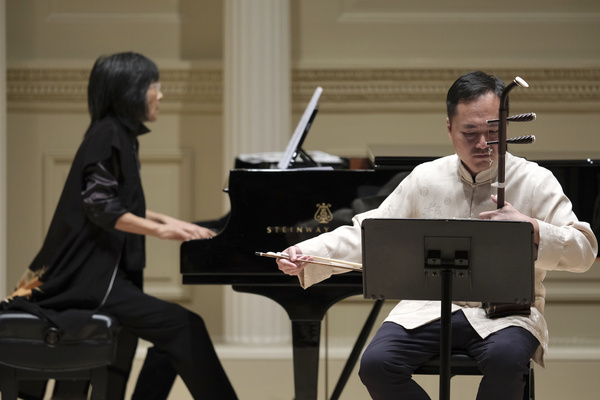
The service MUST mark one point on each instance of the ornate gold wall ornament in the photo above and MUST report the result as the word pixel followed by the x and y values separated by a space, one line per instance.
pixel 344 89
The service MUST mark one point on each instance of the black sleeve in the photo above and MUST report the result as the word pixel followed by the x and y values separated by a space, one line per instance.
pixel 100 196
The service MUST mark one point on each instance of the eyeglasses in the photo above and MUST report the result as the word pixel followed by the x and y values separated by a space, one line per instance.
pixel 156 86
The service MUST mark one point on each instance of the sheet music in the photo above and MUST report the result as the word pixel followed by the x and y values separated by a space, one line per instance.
pixel 299 132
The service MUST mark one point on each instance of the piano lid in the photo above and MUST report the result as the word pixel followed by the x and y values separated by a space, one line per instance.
pixel 404 157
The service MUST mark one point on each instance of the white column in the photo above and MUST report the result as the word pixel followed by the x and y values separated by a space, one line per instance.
pixel 257 112
pixel 3 180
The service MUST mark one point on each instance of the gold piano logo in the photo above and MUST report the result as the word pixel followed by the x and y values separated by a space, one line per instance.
pixel 323 216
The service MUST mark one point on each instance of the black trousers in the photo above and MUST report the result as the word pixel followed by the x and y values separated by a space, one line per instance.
pixel 179 334
pixel 157 375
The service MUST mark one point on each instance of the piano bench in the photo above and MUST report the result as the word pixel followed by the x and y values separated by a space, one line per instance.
pixel 32 348
pixel 463 364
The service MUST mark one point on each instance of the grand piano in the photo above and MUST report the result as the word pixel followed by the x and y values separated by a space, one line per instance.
pixel 272 209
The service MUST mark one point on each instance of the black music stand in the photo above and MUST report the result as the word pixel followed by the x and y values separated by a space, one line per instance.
pixel 417 259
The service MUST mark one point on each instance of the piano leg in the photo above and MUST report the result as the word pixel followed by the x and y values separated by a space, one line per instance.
pixel 306 337
pixel 306 309
pixel 357 349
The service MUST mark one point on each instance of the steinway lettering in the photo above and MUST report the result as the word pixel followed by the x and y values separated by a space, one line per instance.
pixel 297 229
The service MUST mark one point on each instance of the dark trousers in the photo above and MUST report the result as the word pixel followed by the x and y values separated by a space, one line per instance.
pixel 179 334
pixel 157 375
pixel 390 359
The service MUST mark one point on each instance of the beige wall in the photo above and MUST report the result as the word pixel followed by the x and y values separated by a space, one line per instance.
pixel 466 33
pixel 384 65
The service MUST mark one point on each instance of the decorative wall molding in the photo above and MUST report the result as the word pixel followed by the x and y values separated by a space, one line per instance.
pixel 494 17
pixel 131 12
pixel 574 349
pixel 568 287
pixel 401 88
pixel 560 350
pixel 37 85
pixel 344 89
pixel 561 287
pixel 399 12
pixel 111 17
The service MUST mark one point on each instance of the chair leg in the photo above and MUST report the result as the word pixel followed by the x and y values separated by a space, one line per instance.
pixel 98 380
pixel 9 386
pixel 531 385
pixel 529 390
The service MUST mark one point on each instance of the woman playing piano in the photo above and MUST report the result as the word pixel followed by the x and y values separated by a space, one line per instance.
pixel 93 255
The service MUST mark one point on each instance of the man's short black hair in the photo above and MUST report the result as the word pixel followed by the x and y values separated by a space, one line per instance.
pixel 471 86
pixel 118 85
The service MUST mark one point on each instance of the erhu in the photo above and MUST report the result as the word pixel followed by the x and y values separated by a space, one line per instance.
pixel 502 120
pixel 496 310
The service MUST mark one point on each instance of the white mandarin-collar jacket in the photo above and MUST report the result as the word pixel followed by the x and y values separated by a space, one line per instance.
pixel 444 188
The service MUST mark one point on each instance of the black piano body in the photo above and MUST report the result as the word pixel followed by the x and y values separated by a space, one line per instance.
pixel 273 209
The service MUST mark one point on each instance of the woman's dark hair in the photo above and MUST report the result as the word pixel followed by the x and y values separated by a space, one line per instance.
pixel 469 87
pixel 118 86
